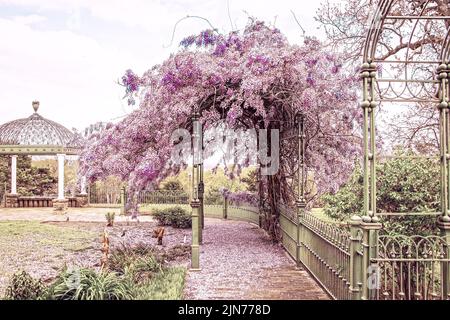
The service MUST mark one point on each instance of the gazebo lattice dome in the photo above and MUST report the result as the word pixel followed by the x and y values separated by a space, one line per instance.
pixel 36 135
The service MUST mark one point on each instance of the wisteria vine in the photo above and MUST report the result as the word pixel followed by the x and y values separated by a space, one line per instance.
pixel 251 79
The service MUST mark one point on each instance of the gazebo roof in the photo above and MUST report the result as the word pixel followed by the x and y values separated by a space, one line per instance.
pixel 36 135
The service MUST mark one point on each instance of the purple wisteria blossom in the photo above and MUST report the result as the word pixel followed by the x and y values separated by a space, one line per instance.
pixel 245 79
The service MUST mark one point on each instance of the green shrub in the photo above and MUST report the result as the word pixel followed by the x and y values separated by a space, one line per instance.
pixel 22 286
pixel 403 185
pixel 175 217
pixel 87 284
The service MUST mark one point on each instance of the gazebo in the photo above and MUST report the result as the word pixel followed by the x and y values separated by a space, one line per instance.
pixel 38 136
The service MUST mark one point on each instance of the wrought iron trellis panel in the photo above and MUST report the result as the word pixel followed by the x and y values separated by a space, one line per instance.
pixel 418 77
pixel 411 268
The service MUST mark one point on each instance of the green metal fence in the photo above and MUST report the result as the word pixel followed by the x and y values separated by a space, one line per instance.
pixel 245 213
pixel 411 268
pixel 356 262
pixel 321 247
pixel 162 197
pixel 112 196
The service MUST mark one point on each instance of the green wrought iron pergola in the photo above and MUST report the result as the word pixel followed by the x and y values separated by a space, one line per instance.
pixel 411 87
pixel 422 78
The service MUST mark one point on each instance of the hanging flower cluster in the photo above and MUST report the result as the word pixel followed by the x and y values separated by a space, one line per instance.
pixel 131 82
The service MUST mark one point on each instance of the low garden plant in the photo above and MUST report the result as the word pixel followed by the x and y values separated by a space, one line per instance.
pixel 23 286
pixel 176 217
pixel 110 216
pixel 87 284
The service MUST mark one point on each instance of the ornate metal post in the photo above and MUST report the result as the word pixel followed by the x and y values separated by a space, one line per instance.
pixel 195 202
pixel 443 74
pixel 368 74
pixel 301 201
pixel 356 258
pixel 370 283
pixel 370 223
pixel 201 190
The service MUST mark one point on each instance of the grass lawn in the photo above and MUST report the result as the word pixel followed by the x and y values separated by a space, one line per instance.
pixel 43 235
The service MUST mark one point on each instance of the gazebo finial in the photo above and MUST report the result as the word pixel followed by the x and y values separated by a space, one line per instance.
pixel 35 105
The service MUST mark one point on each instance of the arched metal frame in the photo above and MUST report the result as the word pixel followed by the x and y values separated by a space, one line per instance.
pixel 409 86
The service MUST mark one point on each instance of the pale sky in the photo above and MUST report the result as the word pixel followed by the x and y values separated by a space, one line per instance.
pixel 69 54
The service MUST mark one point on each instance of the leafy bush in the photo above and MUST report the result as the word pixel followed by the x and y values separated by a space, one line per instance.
pixel 87 284
pixel 403 185
pixel 175 217
pixel 110 218
pixel 138 263
pixel 172 184
pixel 22 286
pixel 31 181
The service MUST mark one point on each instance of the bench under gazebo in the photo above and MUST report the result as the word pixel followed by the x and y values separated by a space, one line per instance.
pixel 37 136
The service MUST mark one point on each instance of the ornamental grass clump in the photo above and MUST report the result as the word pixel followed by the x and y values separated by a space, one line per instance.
pixel 87 284
pixel 176 217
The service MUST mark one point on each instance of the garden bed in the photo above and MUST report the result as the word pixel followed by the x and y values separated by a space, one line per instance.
pixel 43 249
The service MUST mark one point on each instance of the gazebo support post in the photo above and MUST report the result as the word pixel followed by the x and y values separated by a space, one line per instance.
pixel 61 204
pixel 12 199
pixel 14 175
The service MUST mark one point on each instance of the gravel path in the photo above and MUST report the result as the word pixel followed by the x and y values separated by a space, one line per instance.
pixel 239 261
